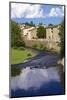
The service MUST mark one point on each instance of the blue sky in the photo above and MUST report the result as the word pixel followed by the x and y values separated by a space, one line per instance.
pixel 37 13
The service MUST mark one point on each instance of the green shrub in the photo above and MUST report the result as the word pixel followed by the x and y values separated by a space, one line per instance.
pixel 29 54
pixel 15 71
pixel 34 46
pixel 20 44
pixel 21 48
pixel 41 46
pixel 44 48
pixel 52 49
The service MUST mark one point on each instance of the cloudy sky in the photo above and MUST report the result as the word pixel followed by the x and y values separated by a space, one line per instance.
pixel 37 13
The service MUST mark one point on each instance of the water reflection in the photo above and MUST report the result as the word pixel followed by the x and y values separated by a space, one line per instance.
pixel 37 81
pixel 34 78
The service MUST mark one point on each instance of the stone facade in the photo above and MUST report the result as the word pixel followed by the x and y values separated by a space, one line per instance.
pixel 52 35
pixel 29 33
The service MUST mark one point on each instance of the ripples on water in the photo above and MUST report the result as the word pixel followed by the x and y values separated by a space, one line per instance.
pixel 41 80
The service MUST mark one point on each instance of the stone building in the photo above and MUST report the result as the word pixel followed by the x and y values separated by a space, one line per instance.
pixel 29 32
pixel 52 35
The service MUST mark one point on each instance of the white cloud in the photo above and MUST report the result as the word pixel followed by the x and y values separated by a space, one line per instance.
pixel 34 11
pixel 56 12
pixel 26 10
pixel 53 12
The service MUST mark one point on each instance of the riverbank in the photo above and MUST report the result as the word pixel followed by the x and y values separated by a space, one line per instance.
pixel 19 55
pixel 41 60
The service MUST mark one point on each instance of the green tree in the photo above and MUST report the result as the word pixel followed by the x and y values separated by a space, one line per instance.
pixel 16 40
pixel 40 23
pixel 30 23
pixel 41 32
pixel 61 34
pixel 50 25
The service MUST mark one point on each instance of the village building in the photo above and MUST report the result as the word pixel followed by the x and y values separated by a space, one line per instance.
pixel 52 33
pixel 29 33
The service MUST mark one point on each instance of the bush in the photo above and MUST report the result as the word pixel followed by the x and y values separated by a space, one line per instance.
pixel 44 48
pixel 21 48
pixel 20 43
pixel 52 49
pixel 15 71
pixel 34 46
pixel 41 46
pixel 29 54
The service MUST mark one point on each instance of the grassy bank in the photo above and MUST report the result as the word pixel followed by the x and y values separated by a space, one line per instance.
pixel 18 55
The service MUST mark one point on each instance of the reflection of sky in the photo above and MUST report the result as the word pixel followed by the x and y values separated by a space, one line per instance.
pixel 34 78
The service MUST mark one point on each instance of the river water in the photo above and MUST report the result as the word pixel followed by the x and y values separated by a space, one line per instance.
pixel 39 77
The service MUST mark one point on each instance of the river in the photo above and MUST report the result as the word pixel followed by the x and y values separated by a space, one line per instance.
pixel 40 76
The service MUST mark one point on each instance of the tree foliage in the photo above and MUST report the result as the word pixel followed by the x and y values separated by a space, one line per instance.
pixel 30 23
pixel 15 71
pixel 41 32
pixel 50 25
pixel 16 40
pixel 61 34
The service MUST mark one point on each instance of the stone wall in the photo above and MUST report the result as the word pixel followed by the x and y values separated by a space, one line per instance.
pixel 44 42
